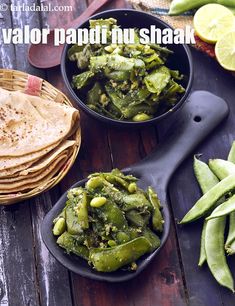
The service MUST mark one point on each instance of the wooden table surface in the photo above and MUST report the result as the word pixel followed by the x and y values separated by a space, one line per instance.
pixel 30 276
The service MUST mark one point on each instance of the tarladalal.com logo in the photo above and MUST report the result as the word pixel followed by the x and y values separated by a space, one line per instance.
pixel 43 7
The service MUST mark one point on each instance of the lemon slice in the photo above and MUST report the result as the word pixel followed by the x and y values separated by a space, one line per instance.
pixel 225 51
pixel 212 21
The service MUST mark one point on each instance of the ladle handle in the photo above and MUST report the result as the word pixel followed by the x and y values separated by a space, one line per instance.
pixel 198 117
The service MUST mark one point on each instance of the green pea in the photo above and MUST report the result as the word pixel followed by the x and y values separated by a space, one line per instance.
pixel 94 182
pixel 98 201
pixel 132 187
pixel 112 243
pixel 141 117
pixel 59 227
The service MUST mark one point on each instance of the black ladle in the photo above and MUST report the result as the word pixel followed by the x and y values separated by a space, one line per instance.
pixel 199 116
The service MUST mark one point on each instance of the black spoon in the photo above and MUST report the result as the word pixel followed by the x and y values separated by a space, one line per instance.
pixel 200 115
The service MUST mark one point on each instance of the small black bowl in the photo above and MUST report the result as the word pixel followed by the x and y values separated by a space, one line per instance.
pixel 79 265
pixel 181 60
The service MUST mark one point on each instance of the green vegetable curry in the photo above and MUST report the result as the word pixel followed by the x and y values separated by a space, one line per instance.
pixel 110 222
pixel 125 81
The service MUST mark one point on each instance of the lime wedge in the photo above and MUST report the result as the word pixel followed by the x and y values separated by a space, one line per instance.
pixel 225 51
pixel 212 21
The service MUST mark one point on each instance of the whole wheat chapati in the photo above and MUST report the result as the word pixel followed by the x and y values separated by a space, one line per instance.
pixel 25 185
pixel 48 158
pixel 14 161
pixel 29 124
pixel 34 176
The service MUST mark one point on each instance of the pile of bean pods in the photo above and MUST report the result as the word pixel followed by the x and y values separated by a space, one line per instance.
pixel 110 222
pixel 217 182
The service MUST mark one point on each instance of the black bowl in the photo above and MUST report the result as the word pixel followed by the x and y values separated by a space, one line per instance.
pixel 181 60
pixel 80 266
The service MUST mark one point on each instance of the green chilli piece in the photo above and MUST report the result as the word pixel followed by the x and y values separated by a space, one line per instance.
pixel 202 171
pixel 209 199
pixel 113 258
pixel 214 246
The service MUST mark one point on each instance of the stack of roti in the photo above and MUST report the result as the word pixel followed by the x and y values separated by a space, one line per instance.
pixel 36 141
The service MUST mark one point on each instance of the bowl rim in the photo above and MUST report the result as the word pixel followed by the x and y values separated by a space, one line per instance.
pixel 126 123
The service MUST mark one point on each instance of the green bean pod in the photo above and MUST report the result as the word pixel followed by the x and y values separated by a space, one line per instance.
pixel 157 218
pixel 230 249
pixel 223 209
pixel 230 242
pixel 113 258
pixel 70 244
pixel 137 218
pixel 72 224
pixel 232 9
pixel 202 171
pixel 221 168
pixel 82 212
pixel 209 199
pixel 214 246
pixel 205 177
pixel 178 7
pixel 231 155
pixel 152 238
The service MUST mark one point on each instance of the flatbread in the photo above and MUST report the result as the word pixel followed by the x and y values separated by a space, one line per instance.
pixel 29 184
pixel 48 158
pixel 30 124
pixel 12 162
pixel 35 175
pixel 37 164
pixel 12 171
